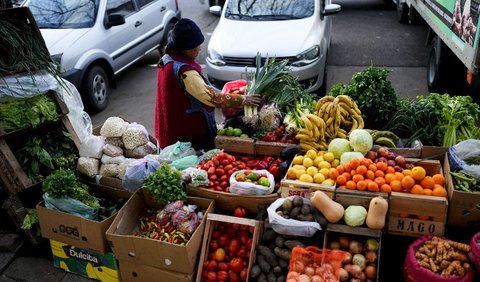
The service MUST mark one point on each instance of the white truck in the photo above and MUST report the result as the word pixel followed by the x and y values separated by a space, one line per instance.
pixel 453 60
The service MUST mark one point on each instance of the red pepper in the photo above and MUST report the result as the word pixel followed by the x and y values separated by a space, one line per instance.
pixel 269 137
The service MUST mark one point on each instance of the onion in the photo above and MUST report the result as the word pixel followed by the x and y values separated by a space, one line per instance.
pixel 355 247
pixel 303 278
pixel 359 260
pixel 371 272
pixel 309 271
pixel 299 267
pixel 316 278
pixel 342 274
pixel 371 256
pixel 355 271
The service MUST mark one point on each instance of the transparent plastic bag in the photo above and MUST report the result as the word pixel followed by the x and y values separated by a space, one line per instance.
pixel 291 226
pixel 195 177
pixel 140 151
pixel 185 219
pixel 176 151
pixel 109 170
pixel 92 147
pixel 136 172
pixel 112 160
pixel 71 206
pixel 249 188
pixel 460 154
pixel 113 127
pixel 134 136
pixel 185 162
pixel 112 150
pixel 88 166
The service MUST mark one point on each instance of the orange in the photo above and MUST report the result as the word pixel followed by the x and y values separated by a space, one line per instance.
pixel 361 169
pixel 389 177
pixel 439 191
pixel 341 180
pixel 417 190
pixel 353 172
pixel 382 166
pixel 347 175
pixel 372 167
pixel 407 182
pixel 342 187
pixel 439 179
pixel 370 175
pixel 347 167
pixel 379 173
pixel 357 177
pixel 390 169
pixel 418 173
pixel 362 185
pixel 427 192
pixel 332 173
pixel 340 169
pixel 406 172
pixel 372 186
pixel 399 176
pixel 427 182
pixel 380 181
pixel 354 163
pixel 386 188
pixel 396 185
pixel 351 185
pixel 364 162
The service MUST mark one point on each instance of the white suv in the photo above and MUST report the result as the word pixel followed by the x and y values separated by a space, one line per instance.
pixel 96 39
pixel 297 30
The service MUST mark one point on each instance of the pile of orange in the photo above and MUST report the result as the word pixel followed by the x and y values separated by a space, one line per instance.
pixel 364 174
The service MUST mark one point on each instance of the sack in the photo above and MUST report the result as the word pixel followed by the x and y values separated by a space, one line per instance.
pixel 140 151
pixel 195 177
pixel 291 226
pixel 113 127
pixel 112 160
pixel 249 188
pixel 474 254
pixel 71 206
pixel 112 150
pixel 92 147
pixel 460 154
pixel 136 172
pixel 109 170
pixel 186 162
pixel 135 135
pixel 176 151
pixel 229 87
pixel 88 166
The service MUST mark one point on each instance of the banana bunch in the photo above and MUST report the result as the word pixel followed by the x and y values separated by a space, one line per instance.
pixel 384 138
pixel 312 136
pixel 341 115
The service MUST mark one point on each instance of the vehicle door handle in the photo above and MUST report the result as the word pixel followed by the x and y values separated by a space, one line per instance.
pixel 163 8
pixel 138 23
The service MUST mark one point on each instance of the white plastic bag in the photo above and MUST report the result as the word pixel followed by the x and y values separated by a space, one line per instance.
pixel 112 160
pixel 134 136
pixel 113 127
pixel 291 226
pixel 460 154
pixel 136 172
pixel 176 151
pixel 88 166
pixel 249 188
pixel 92 147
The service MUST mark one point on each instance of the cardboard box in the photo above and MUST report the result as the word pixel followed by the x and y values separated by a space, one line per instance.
pixel 75 230
pixel 144 273
pixel 85 262
pixel 155 253
pixel 212 221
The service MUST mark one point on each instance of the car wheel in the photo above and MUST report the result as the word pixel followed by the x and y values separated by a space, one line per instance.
pixel 402 12
pixel 164 42
pixel 216 3
pixel 96 89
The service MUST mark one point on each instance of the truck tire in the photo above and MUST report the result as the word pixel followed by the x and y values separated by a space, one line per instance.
pixel 95 89
pixel 402 12
pixel 216 3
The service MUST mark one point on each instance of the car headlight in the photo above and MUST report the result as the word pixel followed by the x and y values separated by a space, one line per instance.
pixel 214 58
pixel 307 57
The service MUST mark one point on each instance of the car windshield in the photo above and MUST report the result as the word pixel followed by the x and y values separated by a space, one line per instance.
pixel 64 13
pixel 269 10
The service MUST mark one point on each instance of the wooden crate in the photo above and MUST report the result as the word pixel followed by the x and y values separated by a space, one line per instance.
pixel 263 148
pixel 212 221
pixel 235 144
pixel 304 189
pixel 229 201
pixel 407 152
pixel 405 207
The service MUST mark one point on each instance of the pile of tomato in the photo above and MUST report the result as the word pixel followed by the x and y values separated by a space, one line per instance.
pixel 221 166
pixel 228 253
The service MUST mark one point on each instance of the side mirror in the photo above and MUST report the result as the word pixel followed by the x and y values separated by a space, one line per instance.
pixel 331 9
pixel 215 10
pixel 114 20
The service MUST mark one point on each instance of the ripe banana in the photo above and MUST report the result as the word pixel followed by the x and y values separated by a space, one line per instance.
pixel 303 137
pixel 322 101
pixel 308 124
pixel 305 132
pixel 314 119
pixel 305 147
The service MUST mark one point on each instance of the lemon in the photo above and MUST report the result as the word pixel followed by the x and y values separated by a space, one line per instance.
pixel 307 162
pixel 299 173
pixel 292 173
pixel 329 157
pixel 298 160
pixel 300 167
pixel 306 178
pixel 335 163
pixel 317 160
pixel 312 170
pixel 329 182
pixel 324 164
pixel 320 153
pixel 318 178
pixel 312 154
pixel 324 171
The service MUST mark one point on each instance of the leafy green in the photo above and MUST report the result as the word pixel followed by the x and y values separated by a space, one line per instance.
pixel 63 183
pixel 373 93
pixel 30 221
pixel 292 119
pixel 164 185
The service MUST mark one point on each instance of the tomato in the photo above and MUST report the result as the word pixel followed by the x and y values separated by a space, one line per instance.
pixel 224 240
pixel 234 246
pixel 220 254
pixel 204 273
pixel 223 266
pixel 231 171
pixel 221 155
pixel 212 276
pixel 214 245
pixel 251 229
pixel 241 253
pixel 216 234
pixel 228 167
pixel 224 178
pixel 240 212
pixel 211 265
pixel 231 158
pixel 211 170
pixel 245 159
pixel 224 184
pixel 233 277
pixel 243 235
pixel 213 177
pixel 248 245
pixel 218 188
pixel 206 166
pixel 219 171
pixel 226 190
pixel 215 161
pixel 222 275
pixel 243 274
pixel 225 162
pixel 236 264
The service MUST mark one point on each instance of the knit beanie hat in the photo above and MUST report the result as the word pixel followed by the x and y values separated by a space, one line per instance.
pixel 185 35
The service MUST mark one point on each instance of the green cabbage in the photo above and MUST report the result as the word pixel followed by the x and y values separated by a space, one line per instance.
pixel 347 156
pixel 338 146
pixel 355 215
pixel 360 140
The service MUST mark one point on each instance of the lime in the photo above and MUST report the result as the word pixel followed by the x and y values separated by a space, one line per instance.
pixel 221 131
pixel 237 132
pixel 229 131
pixel 307 162
pixel 244 135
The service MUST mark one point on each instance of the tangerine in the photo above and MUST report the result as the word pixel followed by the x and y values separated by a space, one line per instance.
pixel 340 169
pixel 427 192
pixel 396 185
pixel 347 175
pixel 361 169
pixel 357 177
pixel 351 185
pixel 347 167
pixel 427 182
pixel 406 172
pixel 370 175
pixel 342 187
pixel 362 185
pixel 333 173
pixel 382 166
pixel 439 191
pixel 341 180
pixel 407 182
pixel 380 181
pixel 364 162
pixel 418 173
pixel 385 188
pixel 372 167
pixel 399 176
pixel 389 177
pixel 390 169
pixel 372 186
pixel 439 179
pixel 417 190
pixel 354 163
pixel 353 172
pixel 379 173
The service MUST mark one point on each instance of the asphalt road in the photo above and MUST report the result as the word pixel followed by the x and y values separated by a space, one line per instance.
pixel 364 33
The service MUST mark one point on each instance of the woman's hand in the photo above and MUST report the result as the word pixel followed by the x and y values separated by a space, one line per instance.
pixel 252 100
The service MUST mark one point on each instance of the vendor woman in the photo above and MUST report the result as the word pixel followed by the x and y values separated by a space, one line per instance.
pixel 185 101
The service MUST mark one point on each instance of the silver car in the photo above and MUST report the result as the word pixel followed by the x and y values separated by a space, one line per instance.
pixel 297 30
pixel 94 40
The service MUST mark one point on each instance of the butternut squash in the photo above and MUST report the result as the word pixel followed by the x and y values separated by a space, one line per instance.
pixel 330 209
pixel 377 212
